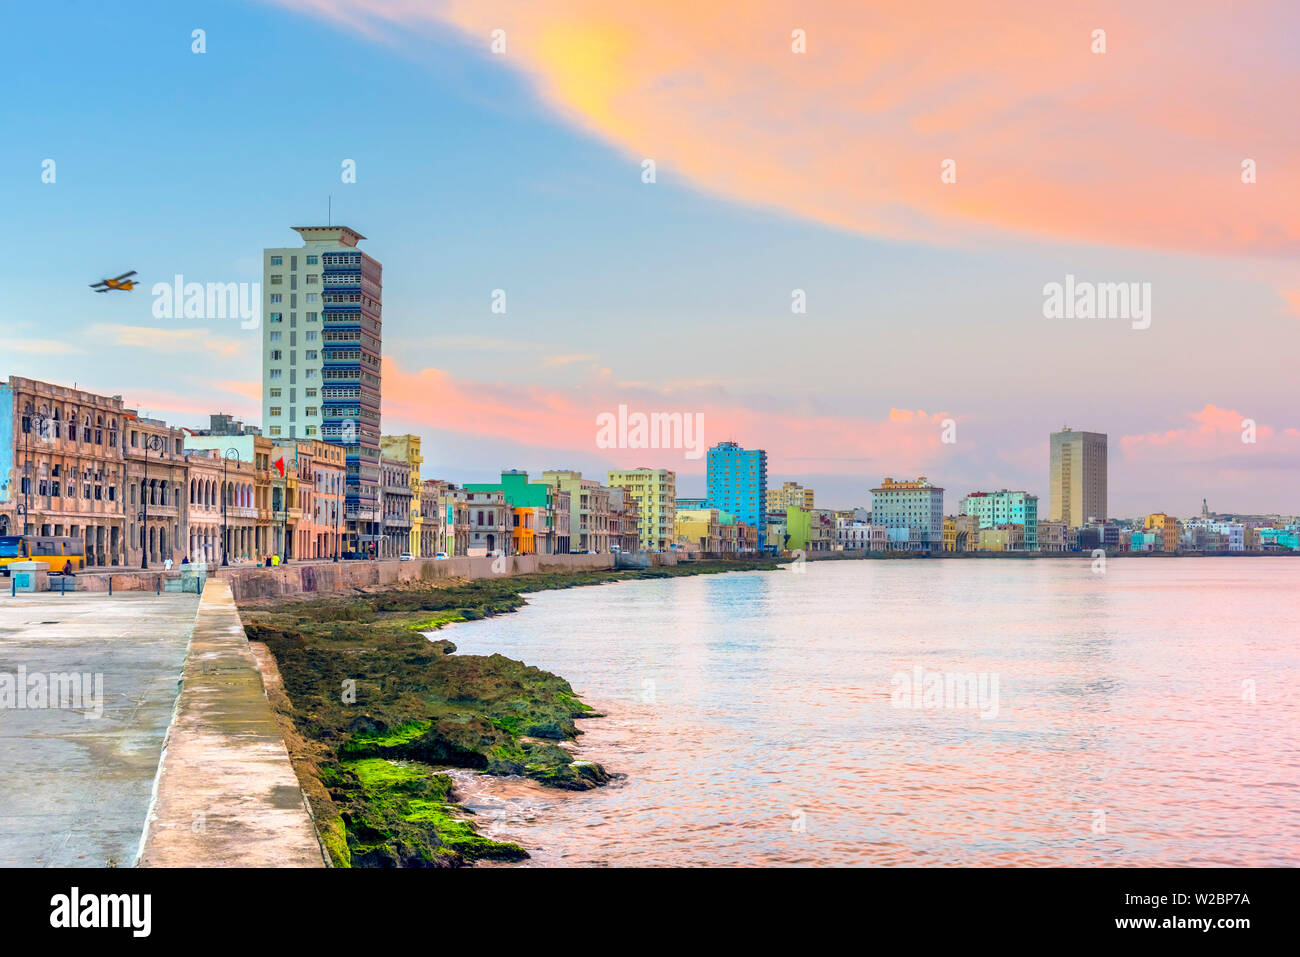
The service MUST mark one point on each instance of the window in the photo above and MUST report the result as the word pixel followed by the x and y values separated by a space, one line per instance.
pixel 312 297
pixel 313 336
pixel 275 298
pixel 311 317
pixel 311 354
pixel 313 260
pixel 275 410
pixel 277 317
pixel 275 355
pixel 277 279
pixel 311 430
pixel 277 260
pixel 311 280
pixel 276 336
pixel 277 373
pixel 311 373
pixel 310 411
pixel 275 430
pixel 275 393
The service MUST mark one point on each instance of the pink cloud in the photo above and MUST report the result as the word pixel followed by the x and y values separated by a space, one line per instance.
pixel 559 422
pixel 1140 145
pixel 1212 432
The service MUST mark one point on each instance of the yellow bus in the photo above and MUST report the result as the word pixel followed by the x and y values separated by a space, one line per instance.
pixel 63 555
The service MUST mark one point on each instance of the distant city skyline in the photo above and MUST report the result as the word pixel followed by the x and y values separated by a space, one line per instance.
pixel 523 172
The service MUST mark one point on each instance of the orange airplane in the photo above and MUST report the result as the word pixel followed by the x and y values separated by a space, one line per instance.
pixel 107 285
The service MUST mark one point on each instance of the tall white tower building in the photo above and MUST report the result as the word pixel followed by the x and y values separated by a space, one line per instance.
pixel 321 354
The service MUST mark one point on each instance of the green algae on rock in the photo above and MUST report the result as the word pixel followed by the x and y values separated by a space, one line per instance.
pixel 401 814
pixel 377 708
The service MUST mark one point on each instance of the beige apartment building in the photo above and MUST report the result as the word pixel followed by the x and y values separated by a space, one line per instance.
pixel 395 497
pixel 329 468
pixel 655 492
pixel 789 494
pixel 241 490
pixel 203 525
pixel 61 466
pixel 157 483
pixel 961 533
pixel 1078 474
pixel 588 510
pixel 406 448
pixel 624 520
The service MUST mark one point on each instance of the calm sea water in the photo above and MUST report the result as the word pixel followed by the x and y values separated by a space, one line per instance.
pixel 1148 715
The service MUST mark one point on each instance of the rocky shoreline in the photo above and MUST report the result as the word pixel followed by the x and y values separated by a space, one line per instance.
pixel 373 711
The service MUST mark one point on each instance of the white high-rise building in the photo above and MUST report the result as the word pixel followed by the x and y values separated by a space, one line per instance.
pixel 321 353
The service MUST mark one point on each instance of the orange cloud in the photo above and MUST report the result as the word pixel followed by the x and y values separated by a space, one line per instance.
pixel 1140 145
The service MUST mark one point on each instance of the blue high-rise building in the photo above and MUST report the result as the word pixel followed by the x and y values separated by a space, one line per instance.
pixel 737 483
pixel 351 353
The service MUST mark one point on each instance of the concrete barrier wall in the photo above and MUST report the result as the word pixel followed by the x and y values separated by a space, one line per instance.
pixel 330 577
pixel 226 794
pixel 307 578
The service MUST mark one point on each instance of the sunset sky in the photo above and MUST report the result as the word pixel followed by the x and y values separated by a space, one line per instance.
pixel 775 171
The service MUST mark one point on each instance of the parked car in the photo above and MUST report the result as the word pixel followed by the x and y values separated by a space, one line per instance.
pixel 440 555
pixel 407 557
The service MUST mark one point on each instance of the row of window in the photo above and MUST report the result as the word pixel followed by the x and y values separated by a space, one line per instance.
pixel 279 316
pixel 308 336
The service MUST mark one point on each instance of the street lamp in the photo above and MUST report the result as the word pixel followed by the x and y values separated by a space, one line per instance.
pixel 284 525
pixel 155 443
pixel 39 420
pixel 225 493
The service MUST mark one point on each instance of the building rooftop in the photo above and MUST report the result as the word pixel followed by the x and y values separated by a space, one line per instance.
pixel 343 235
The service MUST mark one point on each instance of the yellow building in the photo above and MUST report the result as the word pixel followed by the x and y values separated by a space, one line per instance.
pixel 1002 538
pixel 655 491
pixel 961 533
pixel 699 527
pixel 1167 525
pixel 406 448
pixel 790 494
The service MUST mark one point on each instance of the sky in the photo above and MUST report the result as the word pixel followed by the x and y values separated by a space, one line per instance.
pixel 917 173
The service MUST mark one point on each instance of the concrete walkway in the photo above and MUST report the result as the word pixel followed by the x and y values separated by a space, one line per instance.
pixel 227 795
pixel 75 788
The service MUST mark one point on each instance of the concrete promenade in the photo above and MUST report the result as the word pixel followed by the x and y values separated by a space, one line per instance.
pixel 227 795
pixel 76 788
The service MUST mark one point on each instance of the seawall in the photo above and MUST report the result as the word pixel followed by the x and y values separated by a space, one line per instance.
pixel 226 794
pixel 325 577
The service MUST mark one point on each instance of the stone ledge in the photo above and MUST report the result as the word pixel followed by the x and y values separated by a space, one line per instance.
pixel 226 794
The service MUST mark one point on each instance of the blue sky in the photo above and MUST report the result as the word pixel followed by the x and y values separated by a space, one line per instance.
pixel 469 181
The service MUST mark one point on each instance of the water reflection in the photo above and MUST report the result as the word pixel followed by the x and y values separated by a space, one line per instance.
pixel 753 716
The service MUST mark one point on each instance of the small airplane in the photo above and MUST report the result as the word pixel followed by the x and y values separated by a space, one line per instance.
pixel 108 285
